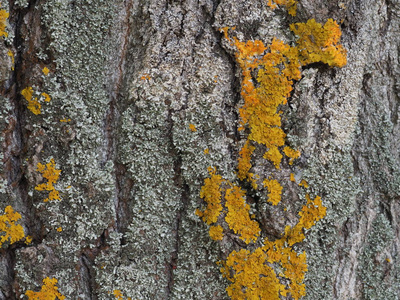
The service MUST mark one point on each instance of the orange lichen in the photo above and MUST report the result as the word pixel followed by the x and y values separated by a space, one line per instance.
pixel 28 240
pixel 238 216
pixel 45 71
pixel 65 120
pixel 291 5
pixel 33 105
pixel 319 43
pixel 274 190
pixel 244 163
pixel 237 210
pixel 46 96
pixel 216 232
pixel 303 183
pixel 292 179
pixel 252 278
pixel 49 291
pixel 59 229
pixel 9 230
pixel 11 55
pixel 192 127
pixel 312 212
pixel 145 77
pixel 206 151
pixel 50 173
pixel 3 22
pixel 211 193
pixel 291 153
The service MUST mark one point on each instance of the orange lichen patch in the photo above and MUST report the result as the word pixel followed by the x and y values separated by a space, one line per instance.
pixel 292 179
pixel 216 232
pixel 33 105
pixel 244 161
pixel 291 5
pixel 45 71
pixel 50 173
pixel 59 229
pixel 46 96
pixel 3 22
pixel 319 43
pixel 9 230
pixel 274 190
pixel 28 240
pixel 291 153
pixel 211 193
pixel 252 278
pixel 312 212
pixel 303 183
pixel 145 77
pixel 238 216
pixel 11 55
pixel 192 127
pixel 65 120
pixel 206 151
pixel 49 291
pixel 274 156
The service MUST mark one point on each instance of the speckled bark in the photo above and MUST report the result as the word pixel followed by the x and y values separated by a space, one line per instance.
pixel 131 75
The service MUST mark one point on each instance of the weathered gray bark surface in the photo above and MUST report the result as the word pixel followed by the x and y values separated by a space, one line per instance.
pixel 132 169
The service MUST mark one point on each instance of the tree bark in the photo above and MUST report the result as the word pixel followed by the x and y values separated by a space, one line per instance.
pixel 144 98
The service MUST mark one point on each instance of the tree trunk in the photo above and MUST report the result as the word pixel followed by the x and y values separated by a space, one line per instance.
pixel 144 98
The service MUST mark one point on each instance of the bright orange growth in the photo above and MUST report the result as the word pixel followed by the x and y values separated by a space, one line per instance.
pixel 33 105
pixel 45 71
pixel 145 77
pixel 11 55
pixel 50 173
pixel 9 230
pixel 238 215
pixel 237 210
pixel 274 190
pixel 49 291
pixel 319 43
pixel 46 96
pixel 3 22
pixel 216 232
pixel 253 276
pixel 192 127
pixel 244 163
pixel 65 120
pixel 268 77
pixel 211 193
pixel 291 153
pixel 303 183
pixel 291 5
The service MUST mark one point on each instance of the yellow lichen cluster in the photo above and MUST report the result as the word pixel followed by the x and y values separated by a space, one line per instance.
pixel 238 215
pixel 268 73
pixel 233 205
pixel 50 173
pixel 34 104
pixel 319 43
pixel 11 55
pixel 9 230
pixel 3 22
pixel 291 5
pixel 118 295
pixel 49 291
pixel 274 190
pixel 252 274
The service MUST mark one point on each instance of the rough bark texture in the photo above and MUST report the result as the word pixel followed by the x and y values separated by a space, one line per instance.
pixel 131 76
